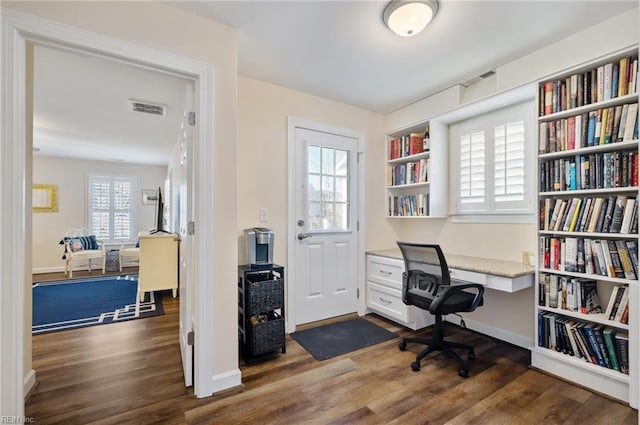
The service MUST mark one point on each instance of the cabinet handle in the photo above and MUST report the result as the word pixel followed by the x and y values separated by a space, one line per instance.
pixel 385 272
pixel 384 301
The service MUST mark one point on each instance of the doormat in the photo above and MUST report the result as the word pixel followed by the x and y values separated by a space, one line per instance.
pixel 335 339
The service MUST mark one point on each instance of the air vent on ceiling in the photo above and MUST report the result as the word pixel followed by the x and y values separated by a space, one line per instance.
pixel 479 78
pixel 147 107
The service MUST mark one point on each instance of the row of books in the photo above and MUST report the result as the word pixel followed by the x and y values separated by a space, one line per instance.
pixel 410 144
pixel 601 345
pixel 581 295
pixel 409 173
pixel 602 257
pixel 409 205
pixel 590 171
pixel 604 82
pixel 607 125
pixel 613 214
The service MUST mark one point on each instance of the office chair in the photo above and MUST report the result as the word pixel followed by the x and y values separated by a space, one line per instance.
pixel 426 283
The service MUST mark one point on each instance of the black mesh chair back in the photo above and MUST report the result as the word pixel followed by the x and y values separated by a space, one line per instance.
pixel 426 271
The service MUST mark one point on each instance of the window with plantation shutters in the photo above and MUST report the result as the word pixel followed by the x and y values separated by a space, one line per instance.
pixel 111 208
pixel 493 163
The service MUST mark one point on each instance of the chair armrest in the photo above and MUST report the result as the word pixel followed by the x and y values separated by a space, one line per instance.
pixel 446 292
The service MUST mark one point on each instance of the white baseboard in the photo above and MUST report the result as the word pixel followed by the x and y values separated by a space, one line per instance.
pixel 40 270
pixel 226 380
pixel 29 381
pixel 501 334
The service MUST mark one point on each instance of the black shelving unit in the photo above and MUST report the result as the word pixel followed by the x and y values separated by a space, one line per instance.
pixel 261 310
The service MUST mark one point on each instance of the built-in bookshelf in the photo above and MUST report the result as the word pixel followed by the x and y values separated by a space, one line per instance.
pixel 416 172
pixel 587 290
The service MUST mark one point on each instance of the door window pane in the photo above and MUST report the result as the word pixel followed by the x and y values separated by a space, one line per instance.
pixel 328 188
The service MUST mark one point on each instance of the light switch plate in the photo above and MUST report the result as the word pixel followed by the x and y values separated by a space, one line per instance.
pixel 264 215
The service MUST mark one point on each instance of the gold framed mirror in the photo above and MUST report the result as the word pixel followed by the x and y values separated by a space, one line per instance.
pixel 44 198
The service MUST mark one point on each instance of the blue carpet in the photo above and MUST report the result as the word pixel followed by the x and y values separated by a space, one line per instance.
pixel 71 304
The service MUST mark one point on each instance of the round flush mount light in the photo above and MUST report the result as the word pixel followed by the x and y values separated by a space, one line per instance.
pixel 408 17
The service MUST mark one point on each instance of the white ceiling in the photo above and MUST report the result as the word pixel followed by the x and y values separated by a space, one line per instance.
pixel 334 49
pixel 81 109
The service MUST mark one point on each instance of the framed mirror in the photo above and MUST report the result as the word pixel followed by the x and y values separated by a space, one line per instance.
pixel 44 198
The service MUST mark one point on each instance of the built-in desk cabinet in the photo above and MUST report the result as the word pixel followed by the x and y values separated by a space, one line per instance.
pixel 384 293
pixel 384 282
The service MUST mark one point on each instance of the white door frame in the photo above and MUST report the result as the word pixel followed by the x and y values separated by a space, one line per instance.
pixel 292 231
pixel 18 29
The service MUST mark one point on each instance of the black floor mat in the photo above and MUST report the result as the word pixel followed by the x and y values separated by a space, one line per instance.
pixel 325 342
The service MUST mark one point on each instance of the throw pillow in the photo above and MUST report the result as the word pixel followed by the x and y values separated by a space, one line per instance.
pixel 76 245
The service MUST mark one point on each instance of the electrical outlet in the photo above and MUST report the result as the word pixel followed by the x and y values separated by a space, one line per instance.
pixel 264 215
pixel 527 258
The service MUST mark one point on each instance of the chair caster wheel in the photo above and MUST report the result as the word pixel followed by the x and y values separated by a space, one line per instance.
pixel 415 366
pixel 463 373
pixel 402 346
pixel 472 355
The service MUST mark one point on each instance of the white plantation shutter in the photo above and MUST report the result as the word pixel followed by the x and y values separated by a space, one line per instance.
pixel 111 207
pixel 493 163
pixel 472 164
pixel 509 162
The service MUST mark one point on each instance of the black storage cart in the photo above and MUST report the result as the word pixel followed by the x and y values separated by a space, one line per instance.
pixel 261 310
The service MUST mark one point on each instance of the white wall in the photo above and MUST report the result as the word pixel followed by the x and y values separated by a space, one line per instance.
pixel 162 27
pixel 262 157
pixel 512 313
pixel 71 177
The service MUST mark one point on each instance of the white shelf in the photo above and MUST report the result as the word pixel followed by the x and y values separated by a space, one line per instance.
pixel 414 216
pixel 589 276
pixel 410 158
pixel 629 98
pixel 609 147
pixel 589 235
pixel 408 186
pixel 581 363
pixel 595 318
pixel 603 191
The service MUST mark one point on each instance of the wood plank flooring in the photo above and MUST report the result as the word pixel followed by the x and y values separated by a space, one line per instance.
pixel 130 373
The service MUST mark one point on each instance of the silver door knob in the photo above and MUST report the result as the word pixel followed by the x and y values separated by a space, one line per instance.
pixel 302 236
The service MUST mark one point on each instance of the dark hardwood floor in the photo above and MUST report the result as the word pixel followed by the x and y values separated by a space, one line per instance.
pixel 130 373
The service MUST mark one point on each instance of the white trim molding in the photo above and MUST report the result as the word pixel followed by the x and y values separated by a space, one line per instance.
pixel 29 381
pixel 18 29
pixel 498 333
pixel 226 380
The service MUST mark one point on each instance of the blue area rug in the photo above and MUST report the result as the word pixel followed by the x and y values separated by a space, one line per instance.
pixel 71 304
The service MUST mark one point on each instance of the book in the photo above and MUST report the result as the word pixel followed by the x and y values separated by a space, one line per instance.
pixel 632 247
pixel 615 259
pixel 611 204
pixel 602 346
pixel 629 207
pixel 624 303
pixel 630 123
pixel 622 351
pixel 625 260
pixel 608 334
pixel 415 143
pixel 614 301
pixel 590 300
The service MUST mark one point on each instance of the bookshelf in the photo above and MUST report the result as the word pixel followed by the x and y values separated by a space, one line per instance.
pixel 416 172
pixel 587 293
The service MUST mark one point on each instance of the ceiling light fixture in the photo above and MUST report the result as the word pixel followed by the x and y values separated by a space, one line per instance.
pixel 408 17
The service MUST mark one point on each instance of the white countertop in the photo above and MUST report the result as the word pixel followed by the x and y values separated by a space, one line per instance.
pixel 490 266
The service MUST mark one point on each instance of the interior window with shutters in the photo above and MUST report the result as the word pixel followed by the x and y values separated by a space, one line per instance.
pixel 111 209
pixel 493 164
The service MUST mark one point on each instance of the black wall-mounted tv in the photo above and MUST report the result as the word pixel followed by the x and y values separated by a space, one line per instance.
pixel 159 213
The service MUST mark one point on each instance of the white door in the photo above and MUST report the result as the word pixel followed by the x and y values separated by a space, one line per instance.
pixel 326 237
pixel 185 209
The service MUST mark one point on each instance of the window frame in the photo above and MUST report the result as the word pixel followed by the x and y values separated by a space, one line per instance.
pixel 490 210
pixel 133 210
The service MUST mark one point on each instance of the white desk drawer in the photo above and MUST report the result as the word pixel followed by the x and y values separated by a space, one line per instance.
pixel 387 301
pixel 385 271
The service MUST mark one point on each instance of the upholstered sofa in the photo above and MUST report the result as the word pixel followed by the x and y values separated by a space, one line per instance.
pixel 80 245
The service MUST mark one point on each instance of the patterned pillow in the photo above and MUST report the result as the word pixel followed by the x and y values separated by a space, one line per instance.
pixel 76 245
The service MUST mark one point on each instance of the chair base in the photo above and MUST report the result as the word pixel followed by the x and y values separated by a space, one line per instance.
pixel 437 343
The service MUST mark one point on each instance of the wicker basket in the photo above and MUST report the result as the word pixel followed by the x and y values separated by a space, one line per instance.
pixel 266 292
pixel 266 336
